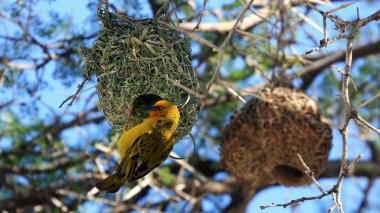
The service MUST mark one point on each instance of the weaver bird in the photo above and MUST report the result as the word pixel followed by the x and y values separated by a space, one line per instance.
pixel 145 146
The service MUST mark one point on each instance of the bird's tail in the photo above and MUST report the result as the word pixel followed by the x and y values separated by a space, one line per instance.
pixel 110 184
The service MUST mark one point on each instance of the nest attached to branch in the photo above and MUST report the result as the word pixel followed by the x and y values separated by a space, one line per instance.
pixel 134 57
pixel 261 142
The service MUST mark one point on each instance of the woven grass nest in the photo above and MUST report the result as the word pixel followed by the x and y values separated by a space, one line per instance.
pixel 134 57
pixel 261 142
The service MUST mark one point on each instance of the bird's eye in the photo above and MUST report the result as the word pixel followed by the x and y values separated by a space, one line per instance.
pixel 160 107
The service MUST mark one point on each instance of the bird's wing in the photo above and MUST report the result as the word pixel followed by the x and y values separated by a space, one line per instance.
pixel 146 153
pixel 131 154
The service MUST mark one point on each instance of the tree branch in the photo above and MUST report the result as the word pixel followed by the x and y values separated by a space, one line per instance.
pixel 311 71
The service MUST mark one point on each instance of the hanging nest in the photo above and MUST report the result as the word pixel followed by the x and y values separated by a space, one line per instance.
pixel 134 57
pixel 261 142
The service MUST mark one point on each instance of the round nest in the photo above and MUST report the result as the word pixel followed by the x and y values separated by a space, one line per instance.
pixel 135 57
pixel 261 142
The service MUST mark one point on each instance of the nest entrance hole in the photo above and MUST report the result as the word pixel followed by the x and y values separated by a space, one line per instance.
pixel 287 174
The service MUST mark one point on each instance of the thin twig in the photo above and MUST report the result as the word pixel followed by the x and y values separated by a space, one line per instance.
pixel 191 35
pixel 221 48
pixel 302 199
pixel 231 91
pixel 339 23
pixel 346 101
pixel 346 77
pixel 351 166
pixel 200 17
pixel 363 123
pixel 331 209
pixel 309 173
pixel 264 18
pixel 175 12
pixel 72 97
pixel 340 7
pixel 342 72
pixel 184 88
pixel 368 101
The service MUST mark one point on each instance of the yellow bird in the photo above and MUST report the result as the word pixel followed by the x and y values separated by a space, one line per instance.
pixel 145 146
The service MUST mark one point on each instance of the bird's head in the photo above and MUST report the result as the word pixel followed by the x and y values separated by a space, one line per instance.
pixel 141 105
pixel 163 109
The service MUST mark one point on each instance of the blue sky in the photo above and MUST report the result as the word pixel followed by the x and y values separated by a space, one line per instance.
pixel 78 13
